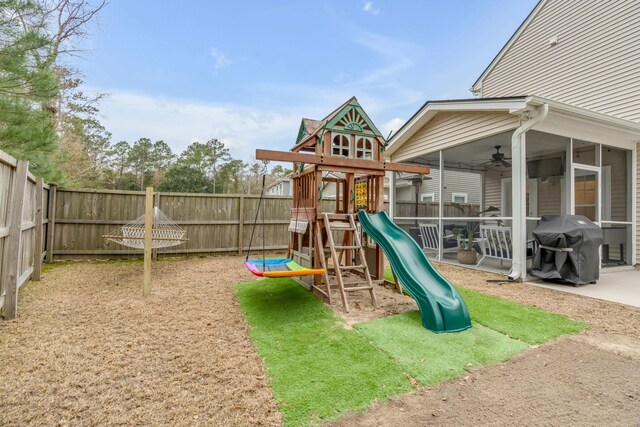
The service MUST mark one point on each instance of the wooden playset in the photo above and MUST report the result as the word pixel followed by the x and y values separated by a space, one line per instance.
pixel 327 250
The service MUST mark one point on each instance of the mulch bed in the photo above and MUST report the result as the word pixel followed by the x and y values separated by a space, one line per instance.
pixel 88 349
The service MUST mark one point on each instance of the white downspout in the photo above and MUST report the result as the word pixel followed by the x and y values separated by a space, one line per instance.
pixel 518 192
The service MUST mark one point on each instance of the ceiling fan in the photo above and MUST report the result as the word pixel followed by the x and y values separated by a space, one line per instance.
pixel 498 159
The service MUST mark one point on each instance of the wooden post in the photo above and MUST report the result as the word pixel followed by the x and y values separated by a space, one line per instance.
pixel 11 256
pixel 148 235
pixel 156 203
pixel 37 247
pixel 240 225
pixel 51 214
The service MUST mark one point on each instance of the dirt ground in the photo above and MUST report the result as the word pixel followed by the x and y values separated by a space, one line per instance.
pixel 569 382
pixel 88 349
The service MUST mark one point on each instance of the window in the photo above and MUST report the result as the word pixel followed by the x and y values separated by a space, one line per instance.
pixel 459 197
pixel 340 145
pixel 428 197
pixel 364 148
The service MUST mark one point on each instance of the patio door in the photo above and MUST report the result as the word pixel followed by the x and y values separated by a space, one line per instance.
pixel 586 192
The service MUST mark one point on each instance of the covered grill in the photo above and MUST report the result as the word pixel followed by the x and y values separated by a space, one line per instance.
pixel 568 249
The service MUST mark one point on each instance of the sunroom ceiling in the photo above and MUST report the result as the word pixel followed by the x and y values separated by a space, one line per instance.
pixel 476 154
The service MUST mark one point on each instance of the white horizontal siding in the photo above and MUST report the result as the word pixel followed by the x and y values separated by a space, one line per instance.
pixel 493 191
pixel 549 197
pixel 450 129
pixel 468 183
pixel 595 65
pixel 329 190
pixel 637 203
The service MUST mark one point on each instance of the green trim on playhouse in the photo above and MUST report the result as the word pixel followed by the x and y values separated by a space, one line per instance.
pixel 352 118
pixel 302 132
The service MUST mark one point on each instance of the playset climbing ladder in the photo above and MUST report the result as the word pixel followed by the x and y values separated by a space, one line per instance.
pixel 360 272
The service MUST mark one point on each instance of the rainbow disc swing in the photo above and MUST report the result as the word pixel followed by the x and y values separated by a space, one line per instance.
pixel 278 267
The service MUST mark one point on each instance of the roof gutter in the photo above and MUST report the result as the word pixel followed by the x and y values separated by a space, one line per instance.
pixel 519 185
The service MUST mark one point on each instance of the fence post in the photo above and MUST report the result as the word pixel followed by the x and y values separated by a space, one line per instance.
pixel 37 247
pixel 156 203
pixel 148 238
pixel 240 225
pixel 12 241
pixel 51 213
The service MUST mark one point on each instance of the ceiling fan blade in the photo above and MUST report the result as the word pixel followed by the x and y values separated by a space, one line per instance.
pixel 506 164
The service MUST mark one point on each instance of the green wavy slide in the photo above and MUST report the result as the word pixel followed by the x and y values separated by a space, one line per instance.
pixel 441 307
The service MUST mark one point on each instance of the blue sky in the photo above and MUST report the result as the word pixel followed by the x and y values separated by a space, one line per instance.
pixel 246 72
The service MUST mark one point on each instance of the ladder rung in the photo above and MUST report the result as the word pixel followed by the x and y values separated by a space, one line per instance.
pixel 347 247
pixel 341 226
pixel 353 282
pixel 352 267
pixel 358 288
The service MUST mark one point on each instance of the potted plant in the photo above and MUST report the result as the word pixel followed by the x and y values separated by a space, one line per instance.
pixel 468 250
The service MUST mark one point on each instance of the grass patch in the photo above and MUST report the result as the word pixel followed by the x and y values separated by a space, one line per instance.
pixel 518 321
pixel 318 369
pixel 431 358
pixel 522 322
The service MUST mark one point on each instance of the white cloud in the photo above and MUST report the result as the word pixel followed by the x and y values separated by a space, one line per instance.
pixel 398 56
pixel 130 116
pixel 368 7
pixel 220 59
pixel 392 125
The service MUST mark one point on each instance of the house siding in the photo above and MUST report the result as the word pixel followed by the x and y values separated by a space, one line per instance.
pixel 446 130
pixel 637 204
pixel 493 191
pixel 549 197
pixel 455 182
pixel 595 65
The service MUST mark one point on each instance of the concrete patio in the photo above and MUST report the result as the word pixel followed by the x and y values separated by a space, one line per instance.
pixel 621 285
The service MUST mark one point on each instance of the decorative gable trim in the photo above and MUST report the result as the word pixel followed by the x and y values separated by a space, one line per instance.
pixel 302 132
pixel 352 118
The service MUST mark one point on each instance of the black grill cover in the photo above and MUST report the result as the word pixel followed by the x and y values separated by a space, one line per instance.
pixel 568 249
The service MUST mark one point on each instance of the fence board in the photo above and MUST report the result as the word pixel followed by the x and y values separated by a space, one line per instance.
pixel 11 268
pixel 21 223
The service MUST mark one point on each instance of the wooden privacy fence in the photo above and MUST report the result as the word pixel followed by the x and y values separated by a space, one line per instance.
pixel 215 223
pixel 25 231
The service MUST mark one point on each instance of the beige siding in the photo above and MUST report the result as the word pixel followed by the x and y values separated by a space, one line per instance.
pixel 493 191
pixel 469 183
pixel 450 129
pixel 595 65
pixel 637 204
pixel 550 196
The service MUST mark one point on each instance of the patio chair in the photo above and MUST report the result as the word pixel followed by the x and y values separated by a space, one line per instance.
pixel 495 242
pixel 431 240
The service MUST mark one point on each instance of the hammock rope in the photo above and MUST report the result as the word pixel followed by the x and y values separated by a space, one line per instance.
pixel 165 233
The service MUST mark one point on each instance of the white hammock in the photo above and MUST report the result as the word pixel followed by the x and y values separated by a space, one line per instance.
pixel 165 232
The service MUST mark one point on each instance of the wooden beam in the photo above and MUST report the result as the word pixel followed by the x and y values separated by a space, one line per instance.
pixel 37 251
pixel 148 236
pixel 9 276
pixel 355 164
pixel 240 224
pixel 51 214
pixel 156 203
pixel 349 170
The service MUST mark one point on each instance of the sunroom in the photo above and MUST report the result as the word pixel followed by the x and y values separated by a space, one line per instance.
pixel 499 165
